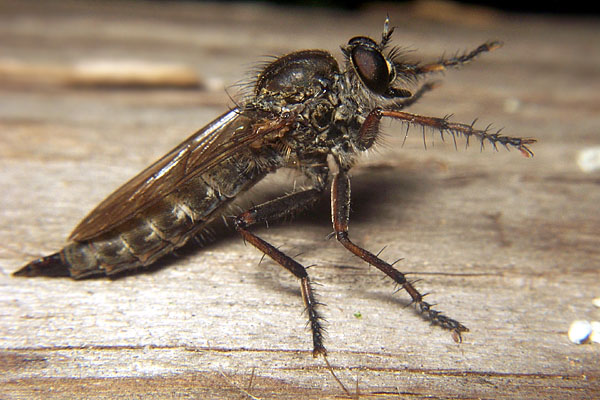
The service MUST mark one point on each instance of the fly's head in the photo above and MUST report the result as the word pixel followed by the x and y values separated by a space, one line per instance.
pixel 373 78
pixel 372 71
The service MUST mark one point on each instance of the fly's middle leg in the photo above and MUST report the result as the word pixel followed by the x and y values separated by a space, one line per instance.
pixel 340 209
pixel 272 211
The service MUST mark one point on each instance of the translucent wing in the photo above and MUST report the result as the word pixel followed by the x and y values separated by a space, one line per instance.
pixel 201 151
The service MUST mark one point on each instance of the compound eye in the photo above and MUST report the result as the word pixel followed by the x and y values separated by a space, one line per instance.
pixel 372 68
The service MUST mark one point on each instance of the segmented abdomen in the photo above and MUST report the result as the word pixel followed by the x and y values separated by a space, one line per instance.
pixel 166 225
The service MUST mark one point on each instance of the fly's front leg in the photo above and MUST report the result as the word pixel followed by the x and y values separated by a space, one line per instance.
pixel 340 209
pixel 370 129
pixel 456 61
pixel 274 210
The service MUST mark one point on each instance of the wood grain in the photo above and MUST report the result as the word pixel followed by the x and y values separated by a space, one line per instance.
pixel 509 246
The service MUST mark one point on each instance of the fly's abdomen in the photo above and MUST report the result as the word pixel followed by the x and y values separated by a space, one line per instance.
pixel 163 227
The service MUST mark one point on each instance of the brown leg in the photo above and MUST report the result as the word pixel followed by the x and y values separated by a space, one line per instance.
pixel 271 211
pixel 370 127
pixel 340 209
pixel 454 128
pixel 457 61
pixel 369 130
pixel 407 102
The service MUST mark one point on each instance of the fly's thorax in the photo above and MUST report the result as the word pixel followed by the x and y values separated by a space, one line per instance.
pixel 301 83
pixel 311 132
pixel 329 106
pixel 294 79
pixel 297 72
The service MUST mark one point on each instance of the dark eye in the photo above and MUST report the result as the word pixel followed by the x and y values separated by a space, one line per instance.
pixel 372 68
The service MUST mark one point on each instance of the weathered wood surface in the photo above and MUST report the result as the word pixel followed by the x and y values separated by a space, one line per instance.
pixel 509 246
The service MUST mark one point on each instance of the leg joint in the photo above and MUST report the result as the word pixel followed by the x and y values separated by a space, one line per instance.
pixel 244 220
pixel 342 236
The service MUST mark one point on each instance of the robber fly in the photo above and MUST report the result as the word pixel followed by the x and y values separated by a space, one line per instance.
pixel 304 108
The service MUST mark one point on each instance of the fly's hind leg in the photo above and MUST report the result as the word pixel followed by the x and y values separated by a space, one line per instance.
pixel 274 210
pixel 340 209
